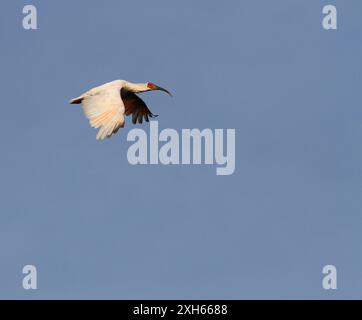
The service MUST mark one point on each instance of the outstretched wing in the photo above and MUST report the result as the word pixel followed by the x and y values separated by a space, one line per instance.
pixel 105 110
pixel 136 106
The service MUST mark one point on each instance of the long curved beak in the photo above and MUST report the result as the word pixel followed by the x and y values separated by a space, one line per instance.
pixel 162 89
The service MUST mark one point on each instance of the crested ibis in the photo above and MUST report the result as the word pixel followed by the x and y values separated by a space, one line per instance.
pixel 105 106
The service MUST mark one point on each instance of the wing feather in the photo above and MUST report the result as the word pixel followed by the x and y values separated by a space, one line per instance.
pixel 136 106
pixel 105 110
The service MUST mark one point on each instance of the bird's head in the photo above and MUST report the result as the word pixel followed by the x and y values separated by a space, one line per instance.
pixel 151 86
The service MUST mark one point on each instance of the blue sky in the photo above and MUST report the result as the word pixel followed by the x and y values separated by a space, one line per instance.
pixel 97 227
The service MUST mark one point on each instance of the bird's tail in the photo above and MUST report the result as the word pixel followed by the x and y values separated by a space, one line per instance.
pixel 76 100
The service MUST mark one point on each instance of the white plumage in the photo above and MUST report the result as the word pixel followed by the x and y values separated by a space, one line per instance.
pixel 106 106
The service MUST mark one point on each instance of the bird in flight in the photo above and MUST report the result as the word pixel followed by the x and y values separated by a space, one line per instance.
pixel 106 106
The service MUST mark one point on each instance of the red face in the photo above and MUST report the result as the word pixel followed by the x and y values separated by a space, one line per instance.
pixel 151 86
